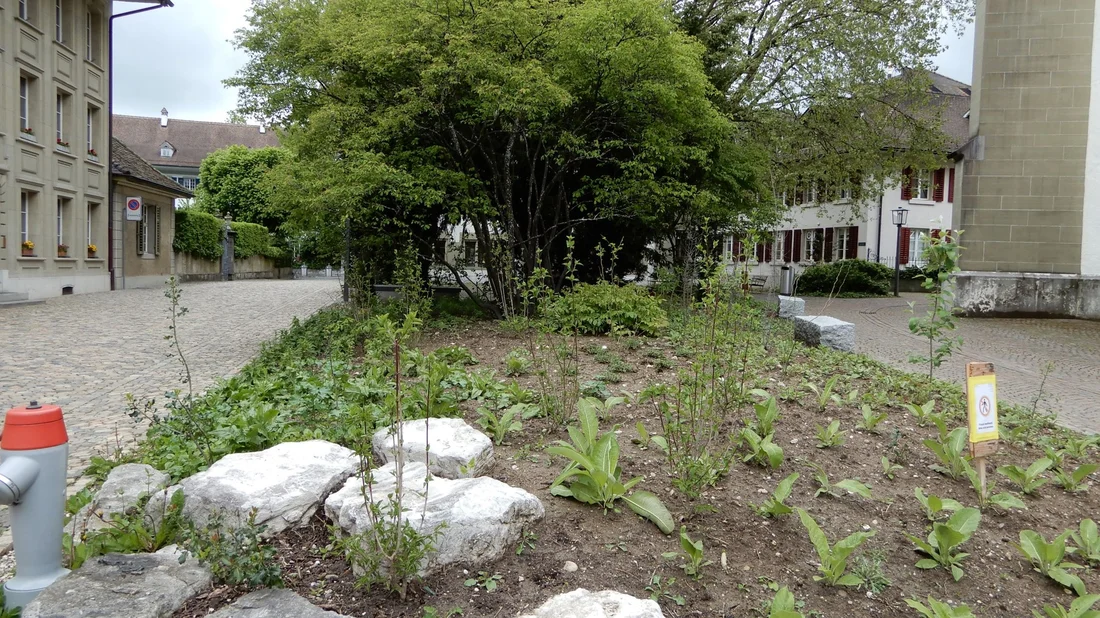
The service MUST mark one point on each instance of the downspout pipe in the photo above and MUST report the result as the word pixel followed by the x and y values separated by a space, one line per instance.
pixel 878 236
pixel 111 127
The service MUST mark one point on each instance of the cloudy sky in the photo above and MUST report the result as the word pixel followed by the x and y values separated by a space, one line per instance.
pixel 176 58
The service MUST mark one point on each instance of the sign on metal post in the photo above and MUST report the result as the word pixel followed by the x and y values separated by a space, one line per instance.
pixel 133 209
pixel 981 404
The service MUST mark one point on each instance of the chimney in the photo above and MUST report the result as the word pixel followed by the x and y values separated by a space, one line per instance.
pixel 163 117
pixel 263 129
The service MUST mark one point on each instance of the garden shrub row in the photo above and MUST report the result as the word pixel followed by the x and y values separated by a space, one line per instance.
pixel 601 308
pixel 201 234
pixel 851 278
pixel 253 239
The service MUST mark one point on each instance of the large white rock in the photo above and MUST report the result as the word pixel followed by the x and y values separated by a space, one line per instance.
pixel 483 517
pixel 822 330
pixel 123 489
pixel 286 484
pixel 605 604
pixel 273 603
pixel 454 445
pixel 791 307
pixel 131 585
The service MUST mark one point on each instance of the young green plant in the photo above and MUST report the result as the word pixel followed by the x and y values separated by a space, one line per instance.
pixel 1048 558
pixel 828 437
pixel 834 558
pixel 692 557
pixel 939 609
pixel 774 506
pixel 943 542
pixel 1028 480
pixel 1087 542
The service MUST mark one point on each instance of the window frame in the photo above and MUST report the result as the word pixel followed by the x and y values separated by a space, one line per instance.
pixel 922 186
pixel 24 216
pixel 841 237
pixel 59 117
pixel 61 206
pixel 917 246
pixel 24 103
pixel 89 211
pixel 812 238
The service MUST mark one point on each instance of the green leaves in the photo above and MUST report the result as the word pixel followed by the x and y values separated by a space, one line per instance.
pixel 1087 542
pixel 830 436
pixel 922 412
pixel 1080 608
pixel 834 559
pixel 762 451
pixel 508 422
pixel 774 507
pixel 593 473
pixel 851 486
pixel 1030 479
pixel 944 540
pixel 870 419
pixel 939 609
pixel 692 555
pixel 951 452
pixel 1073 480
pixel 783 605
pixel 932 505
pixel 1047 558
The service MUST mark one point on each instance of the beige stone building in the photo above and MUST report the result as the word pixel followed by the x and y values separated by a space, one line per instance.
pixel 53 131
pixel 1031 183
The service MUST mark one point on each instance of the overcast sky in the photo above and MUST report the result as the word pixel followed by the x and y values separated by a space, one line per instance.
pixel 176 58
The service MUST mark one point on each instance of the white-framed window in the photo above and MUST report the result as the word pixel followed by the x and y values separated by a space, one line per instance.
pixel 89 131
pixel 62 209
pixel 922 185
pixel 166 150
pixel 24 103
pixel 93 24
pixel 24 217
pixel 841 236
pixel 811 245
pixel 59 112
pixel 59 18
pixel 919 239
pixel 727 248
pixel 844 194
pixel 63 21
pixel 23 9
pixel 149 231
pixel 780 246
pixel 470 253
pixel 89 235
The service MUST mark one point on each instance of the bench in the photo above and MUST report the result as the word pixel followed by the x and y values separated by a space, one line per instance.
pixel 756 282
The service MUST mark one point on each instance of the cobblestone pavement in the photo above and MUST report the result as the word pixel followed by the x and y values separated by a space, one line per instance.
pixel 1018 348
pixel 86 352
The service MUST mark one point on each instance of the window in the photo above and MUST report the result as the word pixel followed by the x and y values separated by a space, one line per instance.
pixel 841 237
pixel 166 150
pixel 23 9
pixel 918 242
pixel 440 250
pixel 844 194
pixel 780 246
pixel 92 36
pixel 61 109
pixel 187 182
pixel 812 245
pixel 922 185
pixel 25 86
pixel 28 11
pixel 470 253
pixel 143 231
pixel 148 239
pixel 89 130
pixel 63 21
pixel 728 249
pixel 24 217
pixel 93 210
pixel 62 214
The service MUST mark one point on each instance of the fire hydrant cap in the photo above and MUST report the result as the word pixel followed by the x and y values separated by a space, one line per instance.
pixel 33 427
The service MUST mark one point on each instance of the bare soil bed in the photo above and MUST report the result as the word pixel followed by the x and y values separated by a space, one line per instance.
pixel 751 556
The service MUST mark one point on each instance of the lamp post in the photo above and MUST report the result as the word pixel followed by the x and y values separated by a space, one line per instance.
pixel 899 215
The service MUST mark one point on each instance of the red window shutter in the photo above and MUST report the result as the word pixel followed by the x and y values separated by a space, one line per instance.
pixel 737 251
pixel 903 255
pixel 788 246
pixel 768 249
pixel 759 252
pixel 934 233
pixel 951 186
pixel 947 236
pixel 798 245
pixel 828 256
pixel 907 184
pixel 938 182
pixel 853 242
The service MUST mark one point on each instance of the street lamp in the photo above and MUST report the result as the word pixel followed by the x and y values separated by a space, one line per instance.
pixel 899 215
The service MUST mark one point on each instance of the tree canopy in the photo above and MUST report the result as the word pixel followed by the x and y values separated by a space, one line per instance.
pixel 233 183
pixel 633 122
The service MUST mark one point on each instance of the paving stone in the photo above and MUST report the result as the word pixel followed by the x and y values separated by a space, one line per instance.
pixel 273 603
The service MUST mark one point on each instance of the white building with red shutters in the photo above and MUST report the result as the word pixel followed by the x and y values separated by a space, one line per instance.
pixel 834 226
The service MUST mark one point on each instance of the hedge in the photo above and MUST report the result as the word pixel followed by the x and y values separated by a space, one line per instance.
pixel 198 233
pixel 851 278
pixel 253 239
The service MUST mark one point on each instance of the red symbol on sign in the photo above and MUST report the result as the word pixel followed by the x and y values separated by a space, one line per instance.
pixel 133 204
pixel 984 406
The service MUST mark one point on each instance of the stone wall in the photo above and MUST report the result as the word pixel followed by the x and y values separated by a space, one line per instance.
pixel 191 268
pixel 1024 180
pixel 1028 295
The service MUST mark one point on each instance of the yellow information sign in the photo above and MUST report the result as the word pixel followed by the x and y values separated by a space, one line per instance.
pixel 981 395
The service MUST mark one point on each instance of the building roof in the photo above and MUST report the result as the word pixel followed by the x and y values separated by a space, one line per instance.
pixel 192 140
pixel 126 163
pixel 951 100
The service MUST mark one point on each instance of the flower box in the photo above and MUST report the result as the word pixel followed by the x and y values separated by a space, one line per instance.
pixel 28 252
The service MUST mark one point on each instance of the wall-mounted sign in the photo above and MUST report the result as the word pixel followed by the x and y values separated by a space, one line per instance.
pixel 133 209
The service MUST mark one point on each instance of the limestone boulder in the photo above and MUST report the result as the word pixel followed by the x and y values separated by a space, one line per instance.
pixel 123 489
pixel 605 604
pixel 131 585
pixel 457 449
pixel 481 518
pixel 285 484
pixel 829 332
pixel 273 603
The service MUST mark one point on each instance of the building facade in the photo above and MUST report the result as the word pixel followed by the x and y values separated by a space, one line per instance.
pixel 53 129
pixel 1031 187
pixel 176 148
pixel 826 225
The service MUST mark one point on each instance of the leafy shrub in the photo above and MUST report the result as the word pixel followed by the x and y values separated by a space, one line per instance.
pixel 851 278
pixel 198 234
pixel 253 239
pixel 235 555
pixel 602 308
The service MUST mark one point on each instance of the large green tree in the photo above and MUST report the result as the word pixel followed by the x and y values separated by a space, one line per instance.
pixel 233 183
pixel 531 119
